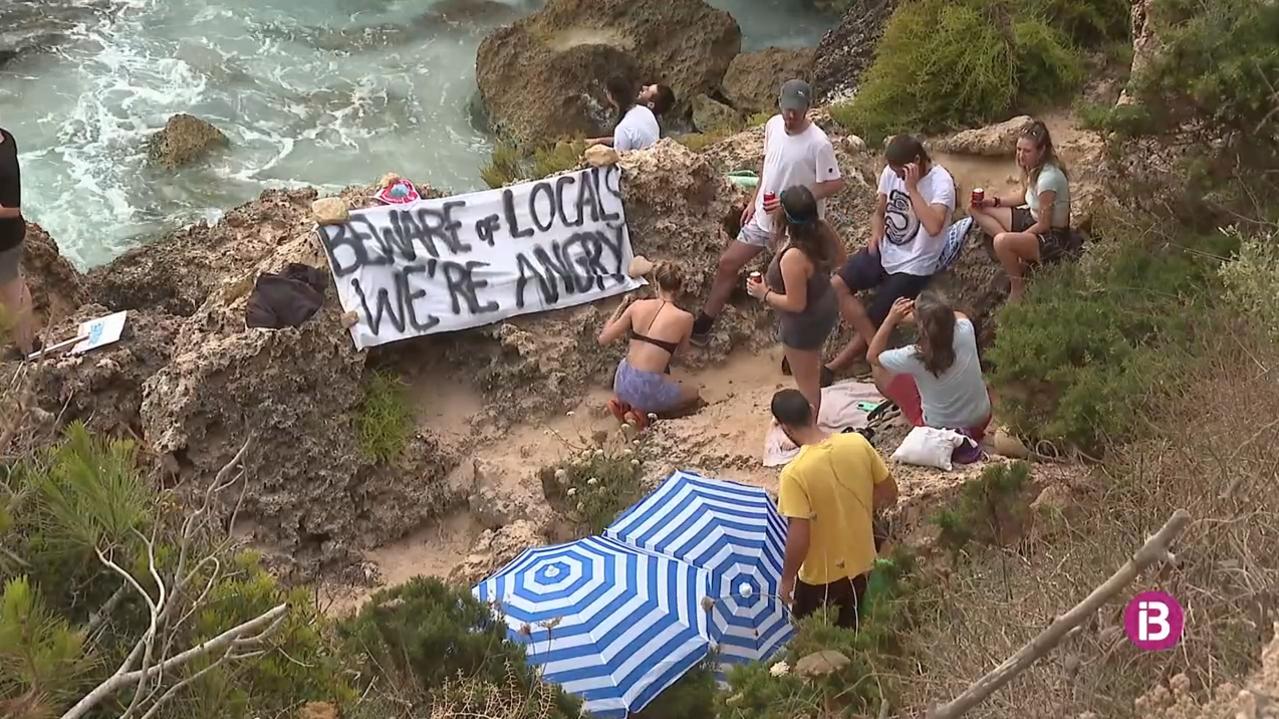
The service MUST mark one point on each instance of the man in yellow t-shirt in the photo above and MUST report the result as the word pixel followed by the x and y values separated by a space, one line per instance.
pixel 829 495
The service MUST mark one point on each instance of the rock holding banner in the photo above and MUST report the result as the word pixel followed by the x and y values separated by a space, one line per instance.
pixel 453 263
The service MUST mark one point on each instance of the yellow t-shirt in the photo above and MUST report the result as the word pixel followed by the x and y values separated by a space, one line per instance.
pixel 832 484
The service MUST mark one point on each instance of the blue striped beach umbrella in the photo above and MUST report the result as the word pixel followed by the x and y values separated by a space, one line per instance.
pixel 733 531
pixel 610 623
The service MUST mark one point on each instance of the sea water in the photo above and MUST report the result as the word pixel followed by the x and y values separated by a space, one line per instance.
pixel 325 93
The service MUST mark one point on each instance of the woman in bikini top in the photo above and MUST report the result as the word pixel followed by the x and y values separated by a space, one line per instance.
pixel 657 328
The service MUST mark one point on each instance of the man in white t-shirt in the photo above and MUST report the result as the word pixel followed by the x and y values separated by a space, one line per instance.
pixel 639 130
pixel 796 152
pixel 908 231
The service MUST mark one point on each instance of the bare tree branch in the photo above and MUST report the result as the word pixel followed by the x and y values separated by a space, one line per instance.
pixel 1154 551
pixel 229 640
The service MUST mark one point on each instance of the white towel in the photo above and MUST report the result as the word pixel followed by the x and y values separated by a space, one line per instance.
pixel 839 411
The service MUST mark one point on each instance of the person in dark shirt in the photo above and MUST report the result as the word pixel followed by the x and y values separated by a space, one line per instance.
pixel 14 295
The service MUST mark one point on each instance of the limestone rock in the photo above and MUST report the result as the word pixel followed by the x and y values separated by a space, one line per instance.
pixel 543 77
pixel 103 388
pixel 820 664
pixel 999 140
pixel 710 114
pixel 184 139
pixel 331 210
pixel 494 549
pixel 754 79
pixel 57 287
pixel 1254 700
pixel 601 155
pixel 847 50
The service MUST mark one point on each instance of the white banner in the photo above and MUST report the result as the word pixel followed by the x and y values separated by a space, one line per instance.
pixel 448 264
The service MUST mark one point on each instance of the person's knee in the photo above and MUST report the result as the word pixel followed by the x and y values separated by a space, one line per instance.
pixel 729 266
pixel 840 286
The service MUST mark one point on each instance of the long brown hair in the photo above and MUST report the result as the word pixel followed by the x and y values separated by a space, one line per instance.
pixel 806 229
pixel 935 318
pixel 1037 132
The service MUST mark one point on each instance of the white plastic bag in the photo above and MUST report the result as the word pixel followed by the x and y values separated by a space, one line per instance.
pixel 929 447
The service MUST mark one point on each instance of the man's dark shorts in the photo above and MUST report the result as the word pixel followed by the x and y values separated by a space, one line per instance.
pixel 864 271
pixel 844 595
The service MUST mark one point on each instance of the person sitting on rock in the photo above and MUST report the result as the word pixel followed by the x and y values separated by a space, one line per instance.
pixel 908 231
pixel 797 285
pixel 642 384
pixel 829 494
pixel 637 126
pixel 15 297
pixel 796 152
pixel 657 97
pixel 937 382
pixel 1039 230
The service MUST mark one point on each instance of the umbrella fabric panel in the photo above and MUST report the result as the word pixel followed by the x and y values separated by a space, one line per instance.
pixel 610 623
pixel 736 533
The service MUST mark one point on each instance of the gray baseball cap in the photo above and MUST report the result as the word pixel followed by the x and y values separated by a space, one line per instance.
pixel 795 95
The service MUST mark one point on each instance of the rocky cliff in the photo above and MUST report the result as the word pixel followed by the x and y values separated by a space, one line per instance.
pixel 542 78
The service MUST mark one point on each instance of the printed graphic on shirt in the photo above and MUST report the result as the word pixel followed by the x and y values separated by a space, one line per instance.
pixel 900 223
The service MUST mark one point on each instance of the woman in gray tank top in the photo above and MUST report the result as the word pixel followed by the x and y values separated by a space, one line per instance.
pixel 798 286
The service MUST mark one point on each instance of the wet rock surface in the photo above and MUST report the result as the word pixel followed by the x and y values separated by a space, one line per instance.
pixel 184 139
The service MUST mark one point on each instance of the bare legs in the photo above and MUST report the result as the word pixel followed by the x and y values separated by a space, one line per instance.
pixel 806 367
pixel 1015 250
pixel 854 314
pixel 731 262
pixel 16 298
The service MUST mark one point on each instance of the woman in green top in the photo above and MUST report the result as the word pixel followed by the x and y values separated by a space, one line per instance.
pixel 1039 230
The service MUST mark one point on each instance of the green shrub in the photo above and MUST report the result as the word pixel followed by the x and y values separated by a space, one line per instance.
pixel 1074 360
pixel 385 422
pixel 991 509
pixel 40 653
pixel 503 167
pixel 560 157
pixel 422 634
pixel 594 488
pixel 942 64
pixel 1089 23
pixel 1252 282
pixel 691 697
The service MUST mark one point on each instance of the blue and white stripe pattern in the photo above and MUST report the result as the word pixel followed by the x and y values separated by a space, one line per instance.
pixel 610 623
pixel 733 531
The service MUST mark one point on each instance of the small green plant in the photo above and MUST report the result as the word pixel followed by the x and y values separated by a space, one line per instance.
pixel 503 167
pixel 595 487
pixel 691 697
pixel 942 64
pixel 41 655
pixel 1089 23
pixel 385 421
pixel 698 141
pixel 1252 282
pixel 560 157
pixel 423 634
pixel 991 510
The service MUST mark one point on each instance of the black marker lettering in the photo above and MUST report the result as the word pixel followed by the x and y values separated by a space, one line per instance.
pixel 512 222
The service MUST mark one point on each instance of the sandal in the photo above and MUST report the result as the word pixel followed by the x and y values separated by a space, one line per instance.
pixel 619 409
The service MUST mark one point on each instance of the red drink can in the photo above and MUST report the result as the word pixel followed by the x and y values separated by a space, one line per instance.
pixel 978 195
pixel 769 197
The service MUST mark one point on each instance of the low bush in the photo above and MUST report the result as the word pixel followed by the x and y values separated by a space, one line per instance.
pixel 430 644
pixel 385 421
pixel 1089 23
pixel 942 64
pixel 1075 359
pixel 1252 282
pixel 510 163
pixel 991 509
pixel 595 487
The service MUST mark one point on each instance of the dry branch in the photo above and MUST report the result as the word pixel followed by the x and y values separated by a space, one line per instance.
pixel 1154 551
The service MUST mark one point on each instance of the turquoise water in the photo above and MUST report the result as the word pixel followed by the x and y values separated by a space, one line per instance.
pixel 317 92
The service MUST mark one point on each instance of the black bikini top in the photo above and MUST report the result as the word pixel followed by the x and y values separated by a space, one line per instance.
pixel 668 346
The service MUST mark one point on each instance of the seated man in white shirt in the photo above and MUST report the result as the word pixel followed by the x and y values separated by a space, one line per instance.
pixel 637 126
